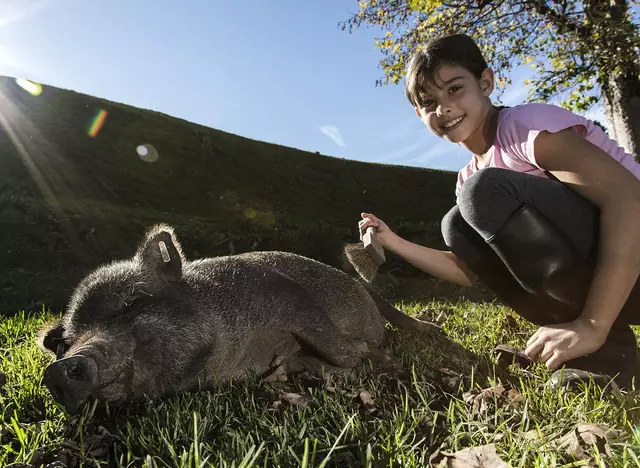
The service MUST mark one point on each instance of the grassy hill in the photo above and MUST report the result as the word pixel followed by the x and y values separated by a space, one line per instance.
pixel 69 201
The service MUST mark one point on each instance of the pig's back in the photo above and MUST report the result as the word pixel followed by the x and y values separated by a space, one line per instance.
pixel 275 287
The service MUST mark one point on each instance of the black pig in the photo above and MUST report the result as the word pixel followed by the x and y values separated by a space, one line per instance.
pixel 156 323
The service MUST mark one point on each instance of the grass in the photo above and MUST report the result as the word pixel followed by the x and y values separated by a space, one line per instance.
pixel 415 408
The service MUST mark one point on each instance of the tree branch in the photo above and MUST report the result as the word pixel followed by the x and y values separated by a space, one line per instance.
pixel 562 22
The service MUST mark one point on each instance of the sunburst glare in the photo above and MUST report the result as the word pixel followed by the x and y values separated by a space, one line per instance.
pixel 35 89
pixel 51 174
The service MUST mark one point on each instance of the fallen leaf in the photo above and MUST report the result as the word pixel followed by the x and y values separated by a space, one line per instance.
pixel 514 396
pixel 296 399
pixel 582 438
pixel 532 435
pixel 484 399
pixel 474 457
pixel 279 374
pixel 450 378
pixel 508 355
pixel 97 444
pixel 367 401
pixel 67 457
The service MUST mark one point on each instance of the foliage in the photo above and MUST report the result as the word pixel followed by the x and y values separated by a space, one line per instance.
pixel 572 46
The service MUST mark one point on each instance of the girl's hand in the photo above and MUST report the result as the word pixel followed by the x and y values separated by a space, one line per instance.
pixel 383 232
pixel 553 345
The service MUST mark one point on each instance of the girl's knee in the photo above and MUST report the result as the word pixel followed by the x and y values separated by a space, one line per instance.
pixel 487 198
pixel 458 236
pixel 450 225
pixel 482 185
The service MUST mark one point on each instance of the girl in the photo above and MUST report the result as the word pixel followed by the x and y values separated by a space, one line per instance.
pixel 547 215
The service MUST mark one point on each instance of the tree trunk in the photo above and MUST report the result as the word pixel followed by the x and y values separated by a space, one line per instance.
pixel 622 107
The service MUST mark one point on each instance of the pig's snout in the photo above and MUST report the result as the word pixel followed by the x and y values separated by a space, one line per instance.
pixel 71 381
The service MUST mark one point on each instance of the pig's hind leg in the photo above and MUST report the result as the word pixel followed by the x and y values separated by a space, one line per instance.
pixel 328 344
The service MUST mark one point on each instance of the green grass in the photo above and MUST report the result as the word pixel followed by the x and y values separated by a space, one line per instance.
pixel 415 410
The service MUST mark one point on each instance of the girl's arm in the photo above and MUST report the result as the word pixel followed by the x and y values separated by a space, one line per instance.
pixel 441 264
pixel 597 177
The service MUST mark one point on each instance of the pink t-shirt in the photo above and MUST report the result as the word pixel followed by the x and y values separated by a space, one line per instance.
pixel 519 126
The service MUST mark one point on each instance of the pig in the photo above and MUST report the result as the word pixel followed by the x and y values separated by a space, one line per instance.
pixel 156 324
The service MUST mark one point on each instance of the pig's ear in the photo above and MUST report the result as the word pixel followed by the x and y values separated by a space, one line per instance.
pixel 160 254
pixel 50 338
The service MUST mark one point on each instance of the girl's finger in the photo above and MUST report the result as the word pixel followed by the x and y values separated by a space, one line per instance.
pixel 533 338
pixel 534 349
pixel 546 354
pixel 555 361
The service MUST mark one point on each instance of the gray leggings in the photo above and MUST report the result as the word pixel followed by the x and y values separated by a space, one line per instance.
pixel 490 196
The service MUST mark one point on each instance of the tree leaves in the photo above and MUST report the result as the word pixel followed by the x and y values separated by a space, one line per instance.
pixel 572 46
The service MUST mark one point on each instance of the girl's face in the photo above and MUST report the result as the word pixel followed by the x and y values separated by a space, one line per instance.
pixel 456 105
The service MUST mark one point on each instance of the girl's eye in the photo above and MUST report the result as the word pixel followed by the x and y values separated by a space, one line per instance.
pixel 454 89
pixel 428 104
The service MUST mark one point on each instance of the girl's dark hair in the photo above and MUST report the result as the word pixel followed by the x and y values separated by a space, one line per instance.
pixel 456 49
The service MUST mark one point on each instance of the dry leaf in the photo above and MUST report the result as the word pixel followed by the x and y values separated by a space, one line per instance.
pixel 474 457
pixel 579 441
pixel 279 374
pixel 296 399
pixel 367 401
pixel 533 436
pixel 514 396
pixel 508 355
pixel 451 378
pixel 485 399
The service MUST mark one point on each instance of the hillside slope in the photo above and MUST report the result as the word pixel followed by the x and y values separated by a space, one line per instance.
pixel 69 201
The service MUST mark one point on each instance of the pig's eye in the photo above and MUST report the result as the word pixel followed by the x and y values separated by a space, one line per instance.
pixel 75 372
pixel 136 293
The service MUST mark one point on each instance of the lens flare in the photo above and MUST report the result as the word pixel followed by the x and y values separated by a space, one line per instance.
pixel 250 213
pixel 35 89
pixel 97 122
pixel 147 153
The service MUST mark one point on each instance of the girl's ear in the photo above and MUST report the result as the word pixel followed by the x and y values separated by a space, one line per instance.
pixel 487 82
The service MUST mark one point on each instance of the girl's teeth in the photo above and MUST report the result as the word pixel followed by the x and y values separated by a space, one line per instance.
pixel 453 122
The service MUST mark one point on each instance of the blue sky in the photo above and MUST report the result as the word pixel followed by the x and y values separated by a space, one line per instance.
pixel 279 71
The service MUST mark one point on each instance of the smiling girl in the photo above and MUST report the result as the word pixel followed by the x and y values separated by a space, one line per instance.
pixel 547 215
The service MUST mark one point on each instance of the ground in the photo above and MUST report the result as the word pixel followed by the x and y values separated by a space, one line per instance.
pixel 440 398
